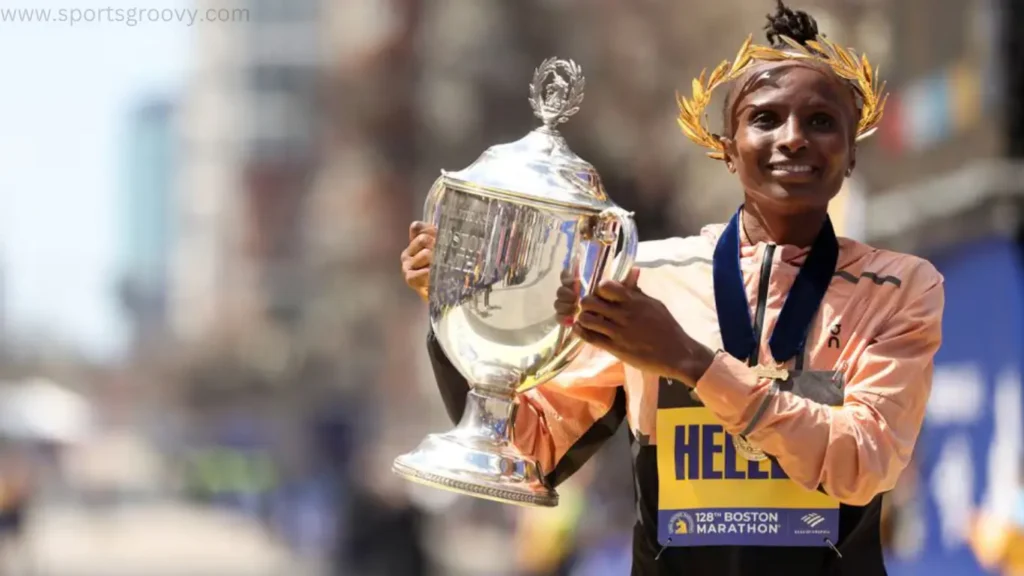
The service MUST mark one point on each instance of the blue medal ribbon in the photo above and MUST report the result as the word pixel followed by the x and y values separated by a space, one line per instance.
pixel 802 302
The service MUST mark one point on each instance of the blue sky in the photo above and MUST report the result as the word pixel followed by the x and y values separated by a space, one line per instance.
pixel 66 97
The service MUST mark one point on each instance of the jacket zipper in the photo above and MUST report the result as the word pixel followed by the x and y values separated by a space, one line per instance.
pixel 762 302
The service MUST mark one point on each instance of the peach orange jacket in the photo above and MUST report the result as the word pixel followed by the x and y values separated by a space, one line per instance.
pixel 879 324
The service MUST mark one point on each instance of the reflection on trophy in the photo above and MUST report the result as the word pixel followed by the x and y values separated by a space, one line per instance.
pixel 508 226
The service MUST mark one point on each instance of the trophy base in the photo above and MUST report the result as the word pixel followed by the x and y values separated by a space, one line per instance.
pixel 473 461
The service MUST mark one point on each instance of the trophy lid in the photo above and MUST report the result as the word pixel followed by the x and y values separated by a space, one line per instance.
pixel 540 166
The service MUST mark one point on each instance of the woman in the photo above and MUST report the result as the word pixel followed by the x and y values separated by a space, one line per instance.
pixel 773 377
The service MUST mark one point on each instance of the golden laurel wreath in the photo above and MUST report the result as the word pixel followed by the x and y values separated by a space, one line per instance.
pixel 845 63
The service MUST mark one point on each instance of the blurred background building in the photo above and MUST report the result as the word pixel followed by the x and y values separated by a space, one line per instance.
pixel 146 241
pixel 275 361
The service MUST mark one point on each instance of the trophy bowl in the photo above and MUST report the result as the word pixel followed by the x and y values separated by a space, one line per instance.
pixel 509 226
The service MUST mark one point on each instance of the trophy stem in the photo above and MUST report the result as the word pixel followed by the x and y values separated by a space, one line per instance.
pixel 477 458
pixel 490 414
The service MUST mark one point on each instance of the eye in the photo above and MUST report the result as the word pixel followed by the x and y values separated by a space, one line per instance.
pixel 822 120
pixel 764 119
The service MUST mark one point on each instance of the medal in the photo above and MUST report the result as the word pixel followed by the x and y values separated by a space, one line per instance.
pixel 771 372
pixel 802 302
pixel 747 450
pixel 743 446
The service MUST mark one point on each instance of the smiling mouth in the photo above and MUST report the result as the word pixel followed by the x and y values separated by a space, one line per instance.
pixel 792 169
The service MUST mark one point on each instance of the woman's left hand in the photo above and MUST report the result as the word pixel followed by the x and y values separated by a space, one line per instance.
pixel 640 331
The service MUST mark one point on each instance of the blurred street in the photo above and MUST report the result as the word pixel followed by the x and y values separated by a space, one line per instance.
pixel 148 539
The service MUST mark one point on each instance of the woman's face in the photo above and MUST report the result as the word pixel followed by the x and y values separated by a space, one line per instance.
pixel 793 142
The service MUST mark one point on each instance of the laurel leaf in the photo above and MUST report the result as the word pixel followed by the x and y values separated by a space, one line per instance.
pixel 718 75
pixel 767 54
pixel 849 64
pixel 688 108
pixel 690 132
pixel 744 48
pixel 845 63
pixel 866 71
pixel 794 44
pixel 698 90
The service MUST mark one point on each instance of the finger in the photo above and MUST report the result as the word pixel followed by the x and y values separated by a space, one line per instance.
pixel 419 227
pixel 417 277
pixel 426 240
pixel 610 310
pixel 632 277
pixel 567 302
pixel 421 260
pixel 566 312
pixel 567 294
pixel 415 228
pixel 594 338
pixel 613 291
pixel 571 279
pixel 597 323
pixel 419 243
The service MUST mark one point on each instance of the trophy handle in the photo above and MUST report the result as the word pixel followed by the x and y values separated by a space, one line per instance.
pixel 627 231
pixel 625 259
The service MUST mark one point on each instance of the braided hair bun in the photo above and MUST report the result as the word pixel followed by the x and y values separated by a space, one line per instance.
pixel 795 24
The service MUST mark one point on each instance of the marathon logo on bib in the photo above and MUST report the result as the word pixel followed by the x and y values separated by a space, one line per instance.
pixel 711 496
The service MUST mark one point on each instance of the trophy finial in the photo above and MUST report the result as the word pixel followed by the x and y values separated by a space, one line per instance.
pixel 560 98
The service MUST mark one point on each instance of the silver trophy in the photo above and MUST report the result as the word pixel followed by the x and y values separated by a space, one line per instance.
pixel 508 226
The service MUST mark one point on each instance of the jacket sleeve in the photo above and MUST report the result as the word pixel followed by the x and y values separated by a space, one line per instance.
pixel 856 451
pixel 561 423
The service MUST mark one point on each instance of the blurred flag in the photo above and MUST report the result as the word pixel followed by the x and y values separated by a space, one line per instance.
pixel 965 95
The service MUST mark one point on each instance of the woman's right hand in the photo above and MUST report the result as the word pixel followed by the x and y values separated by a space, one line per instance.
pixel 416 258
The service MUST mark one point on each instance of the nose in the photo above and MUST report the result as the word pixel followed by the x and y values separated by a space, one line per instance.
pixel 791 136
